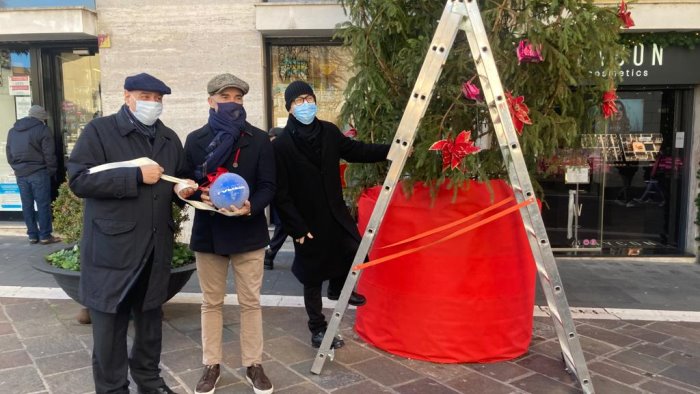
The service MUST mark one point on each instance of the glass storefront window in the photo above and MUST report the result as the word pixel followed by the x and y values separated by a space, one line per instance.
pixel 47 3
pixel 637 197
pixel 326 68
pixel 15 100
pixel 81 95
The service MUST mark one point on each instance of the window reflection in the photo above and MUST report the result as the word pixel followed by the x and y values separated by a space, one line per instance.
pixel 81 95
pixel 325 68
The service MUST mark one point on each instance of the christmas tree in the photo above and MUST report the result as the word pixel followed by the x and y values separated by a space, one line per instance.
pixel 556 57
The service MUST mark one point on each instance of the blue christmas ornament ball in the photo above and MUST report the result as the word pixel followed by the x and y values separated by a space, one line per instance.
pixel 229 189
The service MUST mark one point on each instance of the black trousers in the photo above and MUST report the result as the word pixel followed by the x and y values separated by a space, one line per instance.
pixel 109 354
pixel 277 241
pixel 313 303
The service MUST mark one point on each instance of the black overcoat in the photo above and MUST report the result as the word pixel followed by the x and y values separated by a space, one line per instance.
pixel 224 235
pixel 310 199
pixel 124 220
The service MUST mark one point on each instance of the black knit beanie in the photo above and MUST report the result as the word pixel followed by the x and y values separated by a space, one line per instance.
pixel 294 90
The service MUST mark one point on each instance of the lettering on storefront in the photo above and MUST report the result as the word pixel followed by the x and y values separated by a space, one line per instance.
pixel 653 64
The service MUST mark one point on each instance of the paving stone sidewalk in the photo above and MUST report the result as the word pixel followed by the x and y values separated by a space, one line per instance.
pixel 43 350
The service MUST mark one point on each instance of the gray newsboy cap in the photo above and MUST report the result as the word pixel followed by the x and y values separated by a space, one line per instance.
pixel 37 111
pixel 223 81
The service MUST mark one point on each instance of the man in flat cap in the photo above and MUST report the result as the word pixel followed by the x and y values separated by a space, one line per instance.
pixel 228 143
pixel 31 152
pixel 127 242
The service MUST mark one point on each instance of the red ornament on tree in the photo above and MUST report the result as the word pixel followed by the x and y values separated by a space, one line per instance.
pixel 624 15
pixel 454 151
pixel 518 111
pixel 471 91
pixel 528 53
pixel 609 106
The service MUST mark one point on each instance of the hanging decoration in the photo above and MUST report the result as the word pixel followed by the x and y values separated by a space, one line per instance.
pixel 454 151
pixel 471 91
pixel 528 53
pixel 518 111
pixel 624 15
pixel 609 106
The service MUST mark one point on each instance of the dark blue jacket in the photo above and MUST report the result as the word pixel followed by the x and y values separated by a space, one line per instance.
pixel 30 147
pixel 224 235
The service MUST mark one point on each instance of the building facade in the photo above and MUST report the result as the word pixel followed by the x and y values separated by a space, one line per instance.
pixel 641 203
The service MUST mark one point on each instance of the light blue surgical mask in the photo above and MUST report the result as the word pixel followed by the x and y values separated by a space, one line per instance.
pixel 305 113
pixel 147 112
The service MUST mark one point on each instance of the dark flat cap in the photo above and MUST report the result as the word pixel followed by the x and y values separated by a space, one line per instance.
pixel 146 82
pixel 223 81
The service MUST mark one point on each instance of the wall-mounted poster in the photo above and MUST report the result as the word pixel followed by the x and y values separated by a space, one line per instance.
pixel 633 109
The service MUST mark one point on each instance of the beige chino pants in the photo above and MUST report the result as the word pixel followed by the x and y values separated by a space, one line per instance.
pixel 212 270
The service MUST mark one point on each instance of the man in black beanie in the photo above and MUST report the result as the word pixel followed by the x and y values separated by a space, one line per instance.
pixel 310 202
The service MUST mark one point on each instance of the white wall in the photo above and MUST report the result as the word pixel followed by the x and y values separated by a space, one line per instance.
pixel 184 43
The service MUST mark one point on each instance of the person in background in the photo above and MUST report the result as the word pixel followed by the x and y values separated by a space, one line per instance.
pixel 228 143
pixel 279 236
pixel 128 234
pixel 310 202
pixel 31 152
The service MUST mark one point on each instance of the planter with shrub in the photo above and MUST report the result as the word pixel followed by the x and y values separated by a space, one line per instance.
pixel 64 264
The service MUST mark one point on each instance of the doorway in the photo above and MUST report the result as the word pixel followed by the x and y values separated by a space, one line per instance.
pixel 72 78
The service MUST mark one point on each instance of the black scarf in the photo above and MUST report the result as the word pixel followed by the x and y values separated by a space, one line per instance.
pixel 148 131
pixel 307 137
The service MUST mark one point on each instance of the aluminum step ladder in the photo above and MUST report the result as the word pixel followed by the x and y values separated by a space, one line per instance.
pixel 465 15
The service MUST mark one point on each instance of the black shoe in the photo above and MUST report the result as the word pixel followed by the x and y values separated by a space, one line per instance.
pixel 160 390
pixel 33 241
pixel 356 299
pixel 269 263
pixel 317 338
pixel 257 378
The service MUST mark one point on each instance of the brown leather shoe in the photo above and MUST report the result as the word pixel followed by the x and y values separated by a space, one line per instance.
pixel 83 316
pixel 257 378
pixel 50 240
pixel 210 377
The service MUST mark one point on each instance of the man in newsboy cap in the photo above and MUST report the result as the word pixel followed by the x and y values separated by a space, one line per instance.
pixel 127 243
pixel 228 143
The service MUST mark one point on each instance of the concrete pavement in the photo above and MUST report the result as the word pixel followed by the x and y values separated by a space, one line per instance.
pixel 43 349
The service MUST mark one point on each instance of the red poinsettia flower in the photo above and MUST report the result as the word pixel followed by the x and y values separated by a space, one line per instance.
pixel 350 133
pixel 454 151
pixel 528 53
pixel 471 91
pixel 518 111
pixel 624 15
pixel 609 106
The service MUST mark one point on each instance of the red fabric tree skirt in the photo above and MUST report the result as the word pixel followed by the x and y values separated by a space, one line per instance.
pixel 469 299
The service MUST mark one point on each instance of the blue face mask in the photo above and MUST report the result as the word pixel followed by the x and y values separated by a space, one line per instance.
pixel 305 113
pixel 147 112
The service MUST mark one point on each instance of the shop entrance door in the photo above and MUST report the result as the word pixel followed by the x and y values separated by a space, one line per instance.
pixel 644 190
pixel 633 199
pixel 74 80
